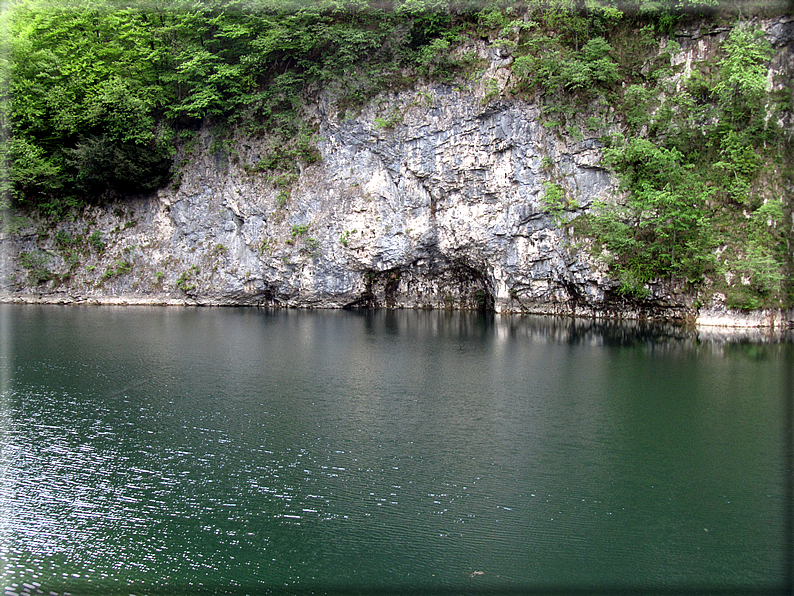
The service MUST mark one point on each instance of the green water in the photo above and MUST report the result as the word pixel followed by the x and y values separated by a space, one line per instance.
pixel 242 451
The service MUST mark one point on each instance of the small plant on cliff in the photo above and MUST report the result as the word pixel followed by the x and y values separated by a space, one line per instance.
pixel 394 117
pixel 70 247
pixel 119 267
pixel 123 267
pixel 299 230
pixel 96 242
pixel 267 245
pixel 556 201
pixel 491 92
pixel 37 264
pixel 282 197
pixel 345 237
pixel 311 246
pixel 186 281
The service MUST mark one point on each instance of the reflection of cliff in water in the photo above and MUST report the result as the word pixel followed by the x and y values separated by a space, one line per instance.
pixel 566 330
pixel 655 335
pixel 596 332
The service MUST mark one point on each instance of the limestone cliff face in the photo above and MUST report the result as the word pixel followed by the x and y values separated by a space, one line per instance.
pixel 441 209
pixel 431 197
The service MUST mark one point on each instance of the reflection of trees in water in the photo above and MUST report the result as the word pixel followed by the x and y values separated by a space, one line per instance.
pixel 656 335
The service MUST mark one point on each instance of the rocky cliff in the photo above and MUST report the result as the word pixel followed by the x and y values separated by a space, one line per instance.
pixel 426 198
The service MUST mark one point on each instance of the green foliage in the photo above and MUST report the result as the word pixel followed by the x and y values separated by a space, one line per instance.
pixel 556 201
pixel 83 98
pixel 98 89
pixel 692 183
pixel 394 118
pixel 103 165
pixel 742 84
pixel 549 65
pixel 96 242
pixel 33 172
pixel 435 59
pixel 37 263
pixel 758 264
pixel 661 229
pixel 344 238
pixel 186 280
pixel 636 106
pixel 300 230
pixel 737 167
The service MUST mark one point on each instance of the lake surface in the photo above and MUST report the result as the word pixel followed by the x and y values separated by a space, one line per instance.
pixel 245 451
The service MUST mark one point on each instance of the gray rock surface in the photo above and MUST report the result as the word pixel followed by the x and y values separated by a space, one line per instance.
pixel 442 210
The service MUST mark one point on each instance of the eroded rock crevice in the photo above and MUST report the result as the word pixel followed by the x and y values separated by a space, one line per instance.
pixel 436 284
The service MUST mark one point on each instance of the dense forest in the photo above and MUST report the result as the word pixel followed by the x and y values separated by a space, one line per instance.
pixel 99 97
